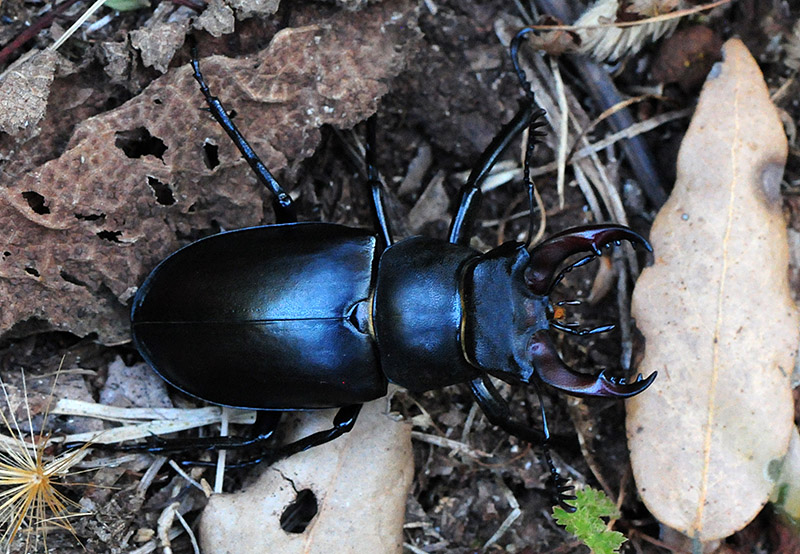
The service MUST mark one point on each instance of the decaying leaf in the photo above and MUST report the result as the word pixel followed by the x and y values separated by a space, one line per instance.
pixel 687 56
pixel 24 88
pixel 217 18
pixel 81 231
pixel 715 308
pixel 161 36
pixel 359 483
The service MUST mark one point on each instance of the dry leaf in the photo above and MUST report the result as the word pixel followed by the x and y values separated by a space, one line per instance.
pixel 217 19
pixel 162 35
pixel 687 56
pixel 81 231
pixel 24 88
pixel 721 328
pixel 360 482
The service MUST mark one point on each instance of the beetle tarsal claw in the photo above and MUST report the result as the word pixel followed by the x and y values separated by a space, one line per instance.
pixel 551 369
pixel 548 256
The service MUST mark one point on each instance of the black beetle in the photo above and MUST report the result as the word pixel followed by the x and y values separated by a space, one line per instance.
pixel 299 316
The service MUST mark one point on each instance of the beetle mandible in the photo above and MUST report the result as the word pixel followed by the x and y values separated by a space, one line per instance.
pixel 300 316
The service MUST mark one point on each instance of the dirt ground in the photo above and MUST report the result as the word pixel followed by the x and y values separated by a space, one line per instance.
pixel 443 94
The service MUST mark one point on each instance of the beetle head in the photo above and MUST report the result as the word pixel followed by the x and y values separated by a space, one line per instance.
pixel 506 330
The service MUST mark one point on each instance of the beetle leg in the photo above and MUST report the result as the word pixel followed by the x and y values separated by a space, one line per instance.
pixel 547 257
pixel 264 428
pixel 282 202
pixel 375 184
pixel 470 194
pixel 498 413
pixel 552 370
pixel 343 422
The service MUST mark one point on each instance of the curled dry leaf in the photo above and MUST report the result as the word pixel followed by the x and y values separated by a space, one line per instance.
pixel 81 231
pixel 359 481
pixel 161 37
pixel 715 308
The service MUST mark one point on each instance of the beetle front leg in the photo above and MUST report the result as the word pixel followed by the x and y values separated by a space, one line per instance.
pixel 375 184
pixel 470 195
pixel 282 202
pixel 498 413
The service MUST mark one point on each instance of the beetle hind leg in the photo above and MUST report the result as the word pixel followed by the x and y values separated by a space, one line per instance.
pixel 343 422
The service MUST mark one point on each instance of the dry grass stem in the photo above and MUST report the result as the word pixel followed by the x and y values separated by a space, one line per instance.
pixel 29 498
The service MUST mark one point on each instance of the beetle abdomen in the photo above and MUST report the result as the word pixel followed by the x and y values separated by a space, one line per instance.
pixel 260 318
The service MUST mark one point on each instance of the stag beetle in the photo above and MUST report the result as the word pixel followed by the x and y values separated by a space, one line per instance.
pixel 303 316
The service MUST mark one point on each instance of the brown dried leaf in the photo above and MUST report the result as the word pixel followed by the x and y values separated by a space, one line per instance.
pixel 721 328
pixel 217 19
pixel 24 88
pixel 249 8
pixel 81 232
pixel 687 56
pixel 162 35
pixel 360 481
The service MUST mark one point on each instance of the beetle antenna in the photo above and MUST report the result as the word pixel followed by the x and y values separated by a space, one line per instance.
pixel 533 133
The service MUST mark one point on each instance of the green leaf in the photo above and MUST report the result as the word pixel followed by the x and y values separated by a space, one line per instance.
pixel 127 5
pixel 585 522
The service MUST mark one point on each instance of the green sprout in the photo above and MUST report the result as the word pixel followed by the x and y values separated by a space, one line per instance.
pixel 586 523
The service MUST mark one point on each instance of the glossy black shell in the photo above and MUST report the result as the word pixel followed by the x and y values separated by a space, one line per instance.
pixel 308 315
pixel 268 317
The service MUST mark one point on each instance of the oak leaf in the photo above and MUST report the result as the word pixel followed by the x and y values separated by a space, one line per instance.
pixel 720 324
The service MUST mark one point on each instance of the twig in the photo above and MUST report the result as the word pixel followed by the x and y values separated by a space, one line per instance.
pixel 449 443
pixel 186 476
pixel 75 26
pixel 512 517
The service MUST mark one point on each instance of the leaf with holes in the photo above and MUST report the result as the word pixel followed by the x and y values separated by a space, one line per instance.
pixel 708 437
pixel 80 232
pixel 348 495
